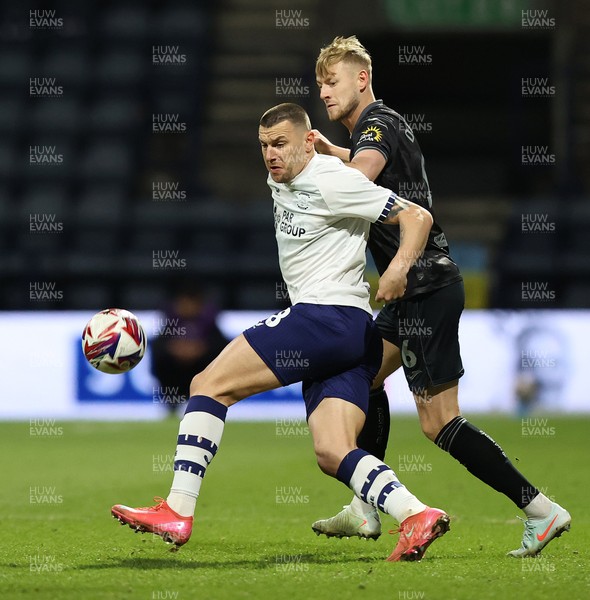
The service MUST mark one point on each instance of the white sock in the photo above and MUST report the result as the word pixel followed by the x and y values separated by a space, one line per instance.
pixel 182 503
pixel 360 508
pixel 375 483
pixel 402 504
pixel 198 440
pixel 539 507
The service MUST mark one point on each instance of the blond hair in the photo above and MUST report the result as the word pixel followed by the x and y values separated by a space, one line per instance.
pixel 348 50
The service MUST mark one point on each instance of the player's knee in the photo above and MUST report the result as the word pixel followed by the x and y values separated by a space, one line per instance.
pixel 204 384
pixel 329 458
pixel 432 425
pixel 198 384
pixel 433 414
pixel 327 464
pixel 430 430
pixel 377 384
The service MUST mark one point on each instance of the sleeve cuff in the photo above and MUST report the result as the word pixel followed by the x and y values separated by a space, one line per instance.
pixel 378 148
pixel 387 208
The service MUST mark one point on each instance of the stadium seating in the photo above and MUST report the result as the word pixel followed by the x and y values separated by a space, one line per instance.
pixel 100 124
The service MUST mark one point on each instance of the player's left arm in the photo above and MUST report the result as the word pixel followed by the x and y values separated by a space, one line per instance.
pixel 369 162
pixel 414 223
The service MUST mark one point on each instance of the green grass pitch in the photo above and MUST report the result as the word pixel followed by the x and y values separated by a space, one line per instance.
pixel 252 537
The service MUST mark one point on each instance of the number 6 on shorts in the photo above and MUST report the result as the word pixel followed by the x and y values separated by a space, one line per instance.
pixel 408 357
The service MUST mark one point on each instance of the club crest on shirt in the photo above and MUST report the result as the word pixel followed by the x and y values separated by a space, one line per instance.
pixel 441 241
pixel 303 200
pixel 371 134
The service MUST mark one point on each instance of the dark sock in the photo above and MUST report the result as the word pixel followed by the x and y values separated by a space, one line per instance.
pixel 482 457
pixel 374 436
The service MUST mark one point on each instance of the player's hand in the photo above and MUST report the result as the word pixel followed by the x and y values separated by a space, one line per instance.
pixel 321 142
pixel 392 285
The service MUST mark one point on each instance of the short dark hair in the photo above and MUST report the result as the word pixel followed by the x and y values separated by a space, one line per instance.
pixel 288 111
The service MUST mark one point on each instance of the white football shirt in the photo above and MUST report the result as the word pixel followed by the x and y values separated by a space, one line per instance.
pixel 322 219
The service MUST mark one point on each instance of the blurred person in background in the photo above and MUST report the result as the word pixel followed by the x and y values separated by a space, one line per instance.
pixel 542 368
pixel 188 340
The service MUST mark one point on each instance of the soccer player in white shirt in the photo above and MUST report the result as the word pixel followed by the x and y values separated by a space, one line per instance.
pixel 322 211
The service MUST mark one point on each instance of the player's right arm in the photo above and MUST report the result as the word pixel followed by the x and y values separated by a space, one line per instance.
pixel 349 194
pixel 369 162
pixel 414 222
pixel 324 146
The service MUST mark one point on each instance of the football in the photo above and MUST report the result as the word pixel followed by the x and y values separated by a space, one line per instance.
pixel 113 341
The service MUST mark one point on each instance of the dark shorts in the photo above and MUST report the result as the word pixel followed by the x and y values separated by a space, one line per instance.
pixel 426 330
pixel 336 351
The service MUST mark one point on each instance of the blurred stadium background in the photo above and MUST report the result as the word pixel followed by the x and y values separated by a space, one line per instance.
pixel 129 164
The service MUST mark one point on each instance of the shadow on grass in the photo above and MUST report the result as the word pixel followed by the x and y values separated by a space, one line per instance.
pixel 277 562
pixel 284 562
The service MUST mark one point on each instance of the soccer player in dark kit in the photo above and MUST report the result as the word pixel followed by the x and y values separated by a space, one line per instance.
pixel 425 298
